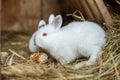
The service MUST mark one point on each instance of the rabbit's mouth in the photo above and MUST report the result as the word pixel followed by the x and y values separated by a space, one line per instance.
pixel 34 41
pixel 37 41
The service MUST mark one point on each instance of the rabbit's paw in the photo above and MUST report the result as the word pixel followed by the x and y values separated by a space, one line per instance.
pixel 81 64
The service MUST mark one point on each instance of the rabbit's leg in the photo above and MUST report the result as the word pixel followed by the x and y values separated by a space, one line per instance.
pixel 65 59
pixel 62 60
pixel 91 61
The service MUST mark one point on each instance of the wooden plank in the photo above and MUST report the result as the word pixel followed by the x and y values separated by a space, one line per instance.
pixel 95 11
pixel 50 7
pixel 76 6
pixel 0 19
pixel 105 14
pixel 20 15
pixel 10 14
pixel 30 12
pixel 86 8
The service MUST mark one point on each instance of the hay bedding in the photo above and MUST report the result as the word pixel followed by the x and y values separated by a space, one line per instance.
pixel 24 69
pixel 107 68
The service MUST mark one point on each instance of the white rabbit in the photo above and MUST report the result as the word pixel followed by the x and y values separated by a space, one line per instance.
pixel 74 40
pixel 32 46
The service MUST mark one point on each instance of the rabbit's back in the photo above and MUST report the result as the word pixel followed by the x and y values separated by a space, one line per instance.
pixel 83 36
pixel 84 31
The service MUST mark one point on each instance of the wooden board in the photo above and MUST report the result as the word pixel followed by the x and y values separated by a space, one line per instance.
pixel 24 15
pixel 93 10
pixel 104 12
pixel 50 7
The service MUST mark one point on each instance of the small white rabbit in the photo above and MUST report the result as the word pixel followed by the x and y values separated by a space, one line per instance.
pixel 74 40
pixel 32 46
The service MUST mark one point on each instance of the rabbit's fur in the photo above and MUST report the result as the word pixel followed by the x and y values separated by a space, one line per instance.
pixel 72 41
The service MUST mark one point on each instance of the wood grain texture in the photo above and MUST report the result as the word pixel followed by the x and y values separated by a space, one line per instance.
pixel 24 15
pixel 104 12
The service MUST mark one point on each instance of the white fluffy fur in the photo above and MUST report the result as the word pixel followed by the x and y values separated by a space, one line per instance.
pixel 32 46
pixel 74 40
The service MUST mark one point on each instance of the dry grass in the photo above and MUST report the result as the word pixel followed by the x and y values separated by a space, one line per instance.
pixel 107 69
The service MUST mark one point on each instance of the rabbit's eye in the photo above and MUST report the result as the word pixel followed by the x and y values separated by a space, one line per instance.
pixel 44 34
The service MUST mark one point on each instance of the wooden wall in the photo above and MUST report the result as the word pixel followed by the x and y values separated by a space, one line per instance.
pixel 10 13
pixel 24 15
pixel 0 15
pixel 93 10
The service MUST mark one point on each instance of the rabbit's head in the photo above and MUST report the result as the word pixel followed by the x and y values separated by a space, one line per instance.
pixel 32 46
pixel 45 31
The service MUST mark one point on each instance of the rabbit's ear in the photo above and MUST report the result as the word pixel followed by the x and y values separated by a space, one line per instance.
pixel 41 24
pixel 57 23
pixel 51 18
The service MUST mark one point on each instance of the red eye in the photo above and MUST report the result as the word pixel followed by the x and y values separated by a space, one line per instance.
pixel 44 34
